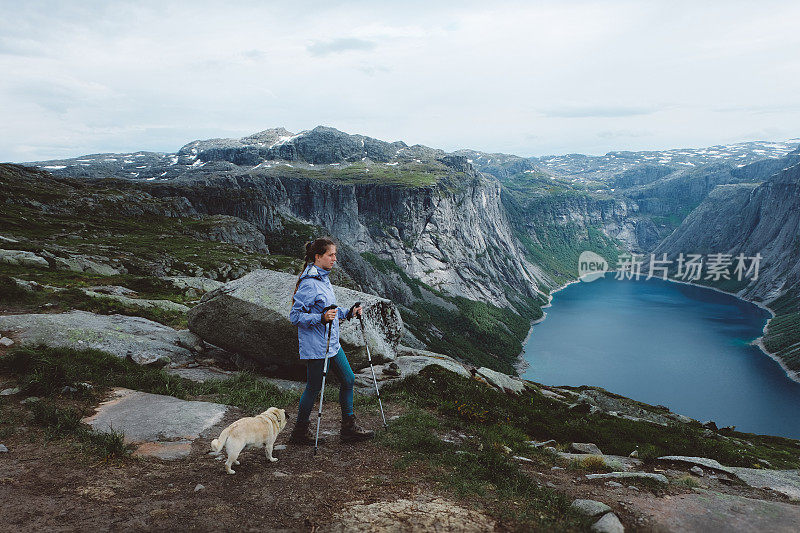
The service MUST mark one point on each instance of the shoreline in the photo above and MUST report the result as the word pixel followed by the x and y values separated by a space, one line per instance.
pixel 521 365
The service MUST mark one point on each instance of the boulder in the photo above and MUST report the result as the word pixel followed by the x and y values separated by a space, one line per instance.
pixel 23 258
pixel 92 265
pixel 409 363
pixel 590 507
pixel 250 316
pixel 608 524
pixel 501 381
pixel 585 447
pixel 144 341
pixel 700 461
pixel 786 482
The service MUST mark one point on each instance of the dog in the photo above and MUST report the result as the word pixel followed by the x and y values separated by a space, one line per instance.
pixel 259 430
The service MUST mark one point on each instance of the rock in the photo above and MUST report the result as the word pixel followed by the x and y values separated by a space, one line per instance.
pixel 5 341
pixel 278 473
pixel 3 448
pixel 68 389
pixel 701 461
pixel 550 449
pixel 141 303
pixel 3 238
pixel 161 426
pixel 615 462
pixel 198 487
pixel 501 381
pixel 613 484
pixel 90 264
pixel 522 459
pixel 201 374
pixel 410 363
pixel 190 341
pixel 279 447
pixel 196 283
pixel 710 425
pixel 634 454
pixel 608 524
pixel 10 391
pixel 535 444
pixel 29 400
pixel 590 507
pixel 23 258
pixel 556 468
pixel 705 510
pixel 113 289
pixel 786 482
pixel 697 471
pixel 391 369
pixel 550 394
pixel 422 514
pixel 585 447
pixel 630 475
pixel 633 487
pixel 141 339
pixel 236 316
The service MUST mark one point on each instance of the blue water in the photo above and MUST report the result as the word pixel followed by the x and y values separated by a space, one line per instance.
pixel 666 343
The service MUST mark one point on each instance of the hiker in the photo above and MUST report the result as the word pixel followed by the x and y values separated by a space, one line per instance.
pixel 312 294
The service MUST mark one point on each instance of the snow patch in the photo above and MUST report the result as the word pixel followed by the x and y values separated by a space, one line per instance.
pixel 55 167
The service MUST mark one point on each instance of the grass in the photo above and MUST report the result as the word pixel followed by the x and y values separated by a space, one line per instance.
pixel 480 470
pixel 536 417
pixel 408 174
pixel 61 422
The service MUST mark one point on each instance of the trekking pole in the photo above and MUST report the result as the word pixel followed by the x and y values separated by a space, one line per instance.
pixel 324 373
pixel 369 357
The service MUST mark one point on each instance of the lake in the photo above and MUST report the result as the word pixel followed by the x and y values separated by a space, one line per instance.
pixel 666 343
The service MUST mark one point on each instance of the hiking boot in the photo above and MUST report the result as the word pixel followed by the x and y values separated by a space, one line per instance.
pixel 301 434
pixel 353 432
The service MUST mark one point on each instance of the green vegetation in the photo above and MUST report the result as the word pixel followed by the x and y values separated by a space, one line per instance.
pixel 541 418
pixel 407 174
pixel 477 332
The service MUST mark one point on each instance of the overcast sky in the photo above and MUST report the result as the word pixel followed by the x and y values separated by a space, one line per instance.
pixel 529 78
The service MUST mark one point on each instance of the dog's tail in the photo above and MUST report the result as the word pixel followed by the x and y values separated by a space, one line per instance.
pixel 217 444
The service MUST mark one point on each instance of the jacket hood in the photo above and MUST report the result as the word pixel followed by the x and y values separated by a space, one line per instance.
pixel 313 271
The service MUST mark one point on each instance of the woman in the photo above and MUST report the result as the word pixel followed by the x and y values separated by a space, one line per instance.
pixel 312 294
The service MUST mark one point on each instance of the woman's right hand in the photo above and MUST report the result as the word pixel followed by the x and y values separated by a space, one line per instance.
pixel 328 316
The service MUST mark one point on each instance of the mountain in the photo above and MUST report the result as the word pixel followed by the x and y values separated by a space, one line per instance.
pixel 755 218
pixel 428 228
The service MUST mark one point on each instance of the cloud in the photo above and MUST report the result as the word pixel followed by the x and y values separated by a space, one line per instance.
pixel 335 46
pixel 604 111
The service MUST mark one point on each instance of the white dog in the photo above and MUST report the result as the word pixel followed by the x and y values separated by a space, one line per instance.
pixel 259 430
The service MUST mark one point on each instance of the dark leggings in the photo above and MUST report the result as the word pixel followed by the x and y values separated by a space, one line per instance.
pixel 338 363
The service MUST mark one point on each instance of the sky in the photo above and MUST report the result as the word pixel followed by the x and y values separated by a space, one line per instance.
pixel 527 78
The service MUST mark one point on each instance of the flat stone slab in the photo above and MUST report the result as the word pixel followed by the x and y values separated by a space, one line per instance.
pixel 661 478
pixel 786 482
pixel 706 510
pixel 700 461
pixel 143 340
pixel 162 426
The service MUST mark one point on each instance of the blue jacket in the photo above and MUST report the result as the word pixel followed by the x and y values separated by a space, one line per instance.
pixel 314 294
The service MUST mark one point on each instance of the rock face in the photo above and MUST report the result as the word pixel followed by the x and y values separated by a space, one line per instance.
pixel 144 341
pixel 748 219
pixel 250 316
